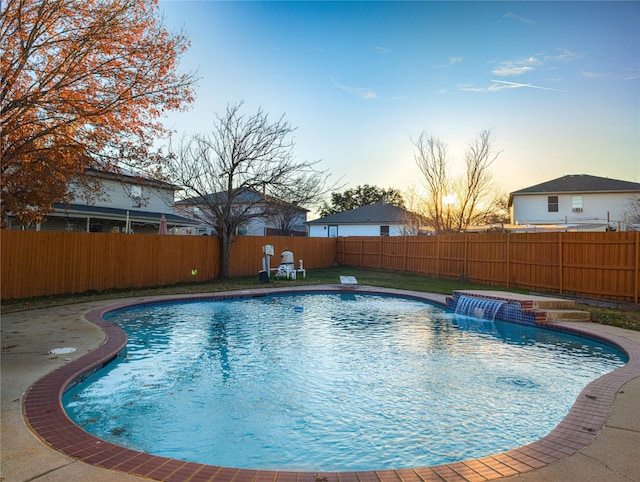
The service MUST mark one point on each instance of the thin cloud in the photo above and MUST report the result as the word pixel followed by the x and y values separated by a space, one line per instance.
pixel 629 74
pixel 382 50
pixel 471 88
pixel 565 56
pixel 517 67
pixel 450 62
pixel 517 85
pixel 509 70
pixel 491 88
pixel 499 85
pixel 594 75
pixel 519 18
pixel 363 92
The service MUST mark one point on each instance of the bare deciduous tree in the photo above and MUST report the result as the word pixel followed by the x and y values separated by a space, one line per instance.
pixel 497 209
pixel 233 169
pixel 477 185
pixel 632 212
pixel 454 203
pixel 306 189
pixel 431 158
pixel 414 221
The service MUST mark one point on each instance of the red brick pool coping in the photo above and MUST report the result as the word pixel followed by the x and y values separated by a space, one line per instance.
pixel 43 411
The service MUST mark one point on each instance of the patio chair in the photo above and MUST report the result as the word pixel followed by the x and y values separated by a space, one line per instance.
pixel 286 271
pixel 302 270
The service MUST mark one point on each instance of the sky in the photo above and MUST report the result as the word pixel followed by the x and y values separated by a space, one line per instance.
pixel 557 83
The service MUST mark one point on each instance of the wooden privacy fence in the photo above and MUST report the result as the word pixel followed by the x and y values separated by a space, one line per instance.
pixel 596 265
pixel 246 252
pixel 49 263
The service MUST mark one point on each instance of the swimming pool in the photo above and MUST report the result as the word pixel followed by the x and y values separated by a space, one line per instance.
pixel 369 359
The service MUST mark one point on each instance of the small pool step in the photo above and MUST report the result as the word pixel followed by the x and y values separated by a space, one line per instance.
pixel 561 315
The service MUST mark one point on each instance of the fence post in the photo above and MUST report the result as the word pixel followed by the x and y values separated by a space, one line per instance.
pixel 560 261
pixel 437 255
pixel 404 255
pixel 508 258
pixel 380 253
pixel 361 248
pixel 466 256
pixel 637 278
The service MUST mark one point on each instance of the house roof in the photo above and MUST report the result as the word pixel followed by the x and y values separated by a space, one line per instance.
pixel 379 212
pixel 244 196
pixel 578 183
pixel 120 214
pixel 132 178
pixel 581 183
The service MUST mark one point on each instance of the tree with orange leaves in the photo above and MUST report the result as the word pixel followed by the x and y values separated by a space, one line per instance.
pixel 83 85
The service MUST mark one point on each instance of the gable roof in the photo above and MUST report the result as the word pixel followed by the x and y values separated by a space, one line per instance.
pixel 580 183
pixel 132 178
pixel 104 212
pixel 244 196
pixel 379 212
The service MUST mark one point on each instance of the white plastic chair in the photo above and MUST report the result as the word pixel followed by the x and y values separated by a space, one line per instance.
pixel 286 271
pixel 302 270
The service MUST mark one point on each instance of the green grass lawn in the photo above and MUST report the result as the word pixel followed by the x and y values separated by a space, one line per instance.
pixel 615 317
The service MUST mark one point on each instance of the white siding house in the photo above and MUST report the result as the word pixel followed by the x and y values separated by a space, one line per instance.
pixel 578 201
pixel 268 216
pixel 379 219
pixel 128 204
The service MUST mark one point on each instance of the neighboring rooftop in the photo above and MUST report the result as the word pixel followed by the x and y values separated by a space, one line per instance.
pixel 243 196
pixel 379 212
pixel 117 213
pixel 581 183
pixel 131 177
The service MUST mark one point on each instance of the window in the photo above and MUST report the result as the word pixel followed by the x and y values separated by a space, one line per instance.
pixel 576 204
pixel 384 230
pixel 552 202
pixel 136 192
pixel 136 196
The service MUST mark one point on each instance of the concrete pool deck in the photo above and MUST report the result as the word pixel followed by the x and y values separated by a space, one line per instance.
pixel 599 440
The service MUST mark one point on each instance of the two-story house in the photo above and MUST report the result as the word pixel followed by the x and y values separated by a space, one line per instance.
pixel 127 204
pixel 267 215
pixel 579 201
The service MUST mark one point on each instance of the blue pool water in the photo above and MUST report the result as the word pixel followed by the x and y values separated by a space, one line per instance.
pixel 324 382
